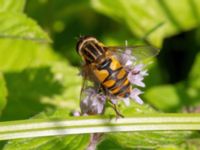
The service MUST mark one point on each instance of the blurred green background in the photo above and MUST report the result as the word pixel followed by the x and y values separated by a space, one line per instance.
pixel 39 65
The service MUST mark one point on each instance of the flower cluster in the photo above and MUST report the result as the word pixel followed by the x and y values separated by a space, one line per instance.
pixel 94 102
pixel 136 74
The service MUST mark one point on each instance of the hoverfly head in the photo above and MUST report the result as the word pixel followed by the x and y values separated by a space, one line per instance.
pixel 89 48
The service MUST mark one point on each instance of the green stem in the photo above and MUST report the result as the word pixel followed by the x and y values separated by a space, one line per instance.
pixel 98 124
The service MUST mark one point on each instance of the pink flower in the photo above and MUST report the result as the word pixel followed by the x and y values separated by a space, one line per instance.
pixel 136 75
pixel 93 103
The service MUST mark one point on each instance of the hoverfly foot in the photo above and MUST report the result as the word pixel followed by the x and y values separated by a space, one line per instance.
pixel 118 114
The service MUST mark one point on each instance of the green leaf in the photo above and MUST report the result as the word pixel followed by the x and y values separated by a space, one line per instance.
pixel 12 5
pixel 61 90
pixel 15 24
pixel 30 66
pixel 173 98
pixel 19 26
pixel 3 93
pixel 153 19
pixel 72 142
pixel 23 54
pixel 155 76
pixel 144 140
pixel 170 147
pixel 45 79
pixel 164 97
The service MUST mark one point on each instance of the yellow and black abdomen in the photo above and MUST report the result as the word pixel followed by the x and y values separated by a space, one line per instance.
pixel 113 77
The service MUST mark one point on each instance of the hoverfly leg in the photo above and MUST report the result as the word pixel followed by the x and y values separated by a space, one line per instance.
pixel 118 114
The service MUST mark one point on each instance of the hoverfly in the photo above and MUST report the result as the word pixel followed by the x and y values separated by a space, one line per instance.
pixel 103 67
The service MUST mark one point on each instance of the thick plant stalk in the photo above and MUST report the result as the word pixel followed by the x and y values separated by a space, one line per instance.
pixel 97 124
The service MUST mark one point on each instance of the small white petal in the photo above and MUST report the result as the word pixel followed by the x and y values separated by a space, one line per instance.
pixel 139 100
pixel 144 73
pixel 126 101
pixel 136 79
pixel 139 83
pixel 94 101
pixel 135 95
pixel 100 108
pixel 128 63
pixel 138 67
pixel 114 101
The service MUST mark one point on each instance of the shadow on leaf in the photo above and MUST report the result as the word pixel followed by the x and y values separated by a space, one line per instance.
pixel 26 89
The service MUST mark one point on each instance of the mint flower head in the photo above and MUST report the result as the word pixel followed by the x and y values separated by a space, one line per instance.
pixel 136 74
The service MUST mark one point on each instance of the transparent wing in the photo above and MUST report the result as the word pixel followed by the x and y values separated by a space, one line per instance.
pixel 139 52
pixel 88 80
pixel 85 71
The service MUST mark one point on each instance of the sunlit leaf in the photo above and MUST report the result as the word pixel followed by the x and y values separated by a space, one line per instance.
pixel 12 5
pixel 23 54
pixel 164 97
pixel 56 85
pixel 144 140
pixel 155 19
pixel 71 142
pixel 19 26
